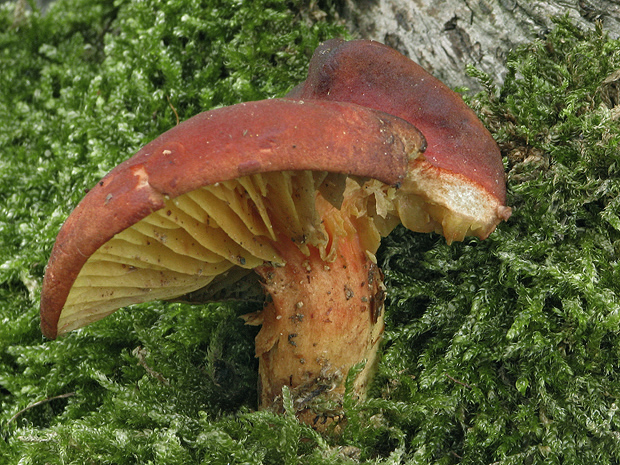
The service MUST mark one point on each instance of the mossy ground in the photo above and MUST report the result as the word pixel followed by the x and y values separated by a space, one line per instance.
pixel 502 351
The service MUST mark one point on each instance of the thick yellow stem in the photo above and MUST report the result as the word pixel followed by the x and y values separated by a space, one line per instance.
pixel 323 317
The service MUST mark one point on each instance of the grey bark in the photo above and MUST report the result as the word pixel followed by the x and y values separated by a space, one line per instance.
pixel 444 36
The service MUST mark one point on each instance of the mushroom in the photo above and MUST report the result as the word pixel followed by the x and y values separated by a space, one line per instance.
pixel 297 192
pixel 255 186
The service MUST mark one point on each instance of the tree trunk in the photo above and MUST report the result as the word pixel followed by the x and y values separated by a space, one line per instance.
pixel 444 36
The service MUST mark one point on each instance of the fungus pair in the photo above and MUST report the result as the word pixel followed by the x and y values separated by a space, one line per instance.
pixel 295 194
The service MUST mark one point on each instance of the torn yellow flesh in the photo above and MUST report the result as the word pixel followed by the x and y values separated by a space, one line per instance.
pixel 371 210
pixel 432 199
pixel 429 200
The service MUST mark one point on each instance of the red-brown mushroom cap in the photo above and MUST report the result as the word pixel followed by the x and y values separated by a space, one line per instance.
pixel 139 215
pixel 461 176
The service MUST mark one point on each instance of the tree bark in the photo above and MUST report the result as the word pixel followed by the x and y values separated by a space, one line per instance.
pixel 444 36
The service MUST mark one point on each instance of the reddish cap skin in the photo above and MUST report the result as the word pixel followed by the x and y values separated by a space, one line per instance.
pixel 220 145
pixel 376 76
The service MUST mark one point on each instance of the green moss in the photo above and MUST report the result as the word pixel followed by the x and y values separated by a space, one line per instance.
pixel 510 348
pixel 498 351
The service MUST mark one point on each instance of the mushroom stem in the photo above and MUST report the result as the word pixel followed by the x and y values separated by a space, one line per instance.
pixel 324 316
